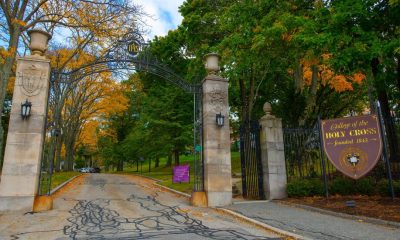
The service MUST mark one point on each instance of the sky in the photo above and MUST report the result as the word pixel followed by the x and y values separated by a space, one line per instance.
pixel 164 16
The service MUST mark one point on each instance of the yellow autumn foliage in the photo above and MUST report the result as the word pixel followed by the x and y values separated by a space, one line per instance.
pixel 98 96
pixel 19 22
pixel 63 55
pixel 88 136
pixel 106 98
pixel 4 53
pixel 11 84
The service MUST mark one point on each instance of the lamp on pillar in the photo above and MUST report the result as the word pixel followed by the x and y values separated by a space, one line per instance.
pixel 220 120
pixel 212 62
pixel 26 109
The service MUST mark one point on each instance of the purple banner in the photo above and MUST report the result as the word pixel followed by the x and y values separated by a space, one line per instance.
pixel 181 173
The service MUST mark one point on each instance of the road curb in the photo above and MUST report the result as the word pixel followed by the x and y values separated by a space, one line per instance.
pixel 156 183
pixel 63 184
pixel 173 190
pixel 151 178
pixel 262 225
pixel 343 215
pixel 242 217
pixel 234 214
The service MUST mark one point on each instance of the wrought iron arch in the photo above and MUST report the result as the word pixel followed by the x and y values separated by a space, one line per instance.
pixel 121 57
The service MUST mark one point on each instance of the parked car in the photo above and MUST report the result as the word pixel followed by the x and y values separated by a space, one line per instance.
pixel 90 170
pixel 84 170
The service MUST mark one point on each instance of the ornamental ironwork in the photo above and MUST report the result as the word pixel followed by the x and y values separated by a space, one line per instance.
pixel 127 54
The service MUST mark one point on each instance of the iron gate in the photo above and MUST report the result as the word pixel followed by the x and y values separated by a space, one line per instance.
pixel 121 57
pixel 250 156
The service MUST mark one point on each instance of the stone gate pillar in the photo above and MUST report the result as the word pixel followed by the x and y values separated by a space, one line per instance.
pixel 272 155
pixel 217 154
pixel 23 152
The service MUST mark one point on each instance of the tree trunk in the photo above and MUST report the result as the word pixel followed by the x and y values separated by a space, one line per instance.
pixel 55 152
pixel 371 92
pixel 58 153
pixel 385 108
pixel 69 158
pixel 169 160
pixel 389 126
pixel 149 164
pixel 69 154
pixel 244 101
pixel 398 73
pixel 311 99
pixel 176 157
pixel 5 74
pixel 157 162
pixel 298 78
pixel 120 165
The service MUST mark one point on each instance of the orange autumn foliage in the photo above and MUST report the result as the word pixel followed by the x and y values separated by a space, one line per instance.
pixel 326 76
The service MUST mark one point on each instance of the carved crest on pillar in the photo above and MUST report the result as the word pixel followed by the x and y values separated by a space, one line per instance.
pixel 31 80
pixel 217 99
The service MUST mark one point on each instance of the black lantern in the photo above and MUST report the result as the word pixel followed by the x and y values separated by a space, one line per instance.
pixel 26 109
pixel 220 120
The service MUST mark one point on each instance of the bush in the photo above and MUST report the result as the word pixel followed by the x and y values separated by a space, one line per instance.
pixel 384 190
pixel 305 187
pixel 366 186
pixel 342 186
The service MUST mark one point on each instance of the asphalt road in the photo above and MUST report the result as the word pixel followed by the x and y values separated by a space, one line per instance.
pixel 104 206
pixel 314 225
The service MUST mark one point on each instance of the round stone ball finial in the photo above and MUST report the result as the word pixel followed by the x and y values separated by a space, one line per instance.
pixel 267 108
pixel 39 41
pixel 212 62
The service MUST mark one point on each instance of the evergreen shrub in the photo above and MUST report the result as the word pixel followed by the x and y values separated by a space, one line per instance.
pixel 305 187
pixel 341 186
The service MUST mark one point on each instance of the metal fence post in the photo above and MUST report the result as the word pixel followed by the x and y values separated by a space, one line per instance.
pixel 321 142
pixel 385 152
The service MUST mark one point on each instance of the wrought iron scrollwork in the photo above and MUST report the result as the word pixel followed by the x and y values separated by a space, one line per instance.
pixel 127 54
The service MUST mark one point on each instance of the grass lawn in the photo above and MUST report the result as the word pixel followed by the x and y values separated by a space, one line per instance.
pixel 60 177
pixel 236 164
pixel 164 174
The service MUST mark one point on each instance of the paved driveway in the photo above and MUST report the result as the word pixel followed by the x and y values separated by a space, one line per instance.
pixel 312 224
pixel 104 206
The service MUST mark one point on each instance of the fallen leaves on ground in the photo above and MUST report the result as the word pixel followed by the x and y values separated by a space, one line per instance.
pixel 369 206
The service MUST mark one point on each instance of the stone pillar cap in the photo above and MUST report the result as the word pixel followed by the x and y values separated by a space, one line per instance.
pixel 212 62
pixel 39 42
pixel 267 108
pixel 49 36
pixel 211 54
